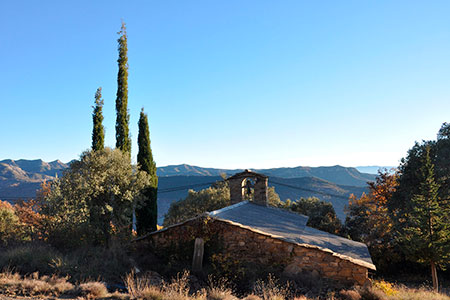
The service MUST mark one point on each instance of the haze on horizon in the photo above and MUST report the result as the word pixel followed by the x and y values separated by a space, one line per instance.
pixel 232 84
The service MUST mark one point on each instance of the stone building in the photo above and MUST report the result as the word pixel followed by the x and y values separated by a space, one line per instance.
pixel 253 232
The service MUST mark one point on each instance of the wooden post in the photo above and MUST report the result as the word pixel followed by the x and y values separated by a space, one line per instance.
pixel 197 260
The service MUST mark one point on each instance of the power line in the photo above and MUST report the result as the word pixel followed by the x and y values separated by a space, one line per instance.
pixel 308 190
pixel 185 187
pixel 181 188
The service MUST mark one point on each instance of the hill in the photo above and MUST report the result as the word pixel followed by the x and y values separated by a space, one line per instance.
pixel 287 188
pixel 21 179
pixel 336 174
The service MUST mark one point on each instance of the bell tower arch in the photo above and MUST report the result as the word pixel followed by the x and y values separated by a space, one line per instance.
pixel 241 182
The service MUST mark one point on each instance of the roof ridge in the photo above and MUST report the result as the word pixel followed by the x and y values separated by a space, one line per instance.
pixel 218 211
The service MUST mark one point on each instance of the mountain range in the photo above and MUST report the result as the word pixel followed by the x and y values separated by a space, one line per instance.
pixel 21 179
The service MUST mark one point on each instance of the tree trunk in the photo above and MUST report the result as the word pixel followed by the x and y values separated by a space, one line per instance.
pixel 434 276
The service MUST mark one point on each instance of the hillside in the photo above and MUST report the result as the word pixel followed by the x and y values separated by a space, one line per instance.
pixel 336 174
pixel 308 183
pixel 21 179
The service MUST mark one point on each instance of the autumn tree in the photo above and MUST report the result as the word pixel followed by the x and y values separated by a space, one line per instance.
pixel 426 232
pixel 147 209
pixel 368 220
pixel 98 132
pixel 123 141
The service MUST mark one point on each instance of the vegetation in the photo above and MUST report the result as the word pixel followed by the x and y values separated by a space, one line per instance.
pixel 420 206
pixel 94 199
pixel 404 217
pixel 210 199
pixel 147 210
pixel 321 214
pixel 425 236
pixel 368 221
pixel 180 287
pixel 123 141
pixel 98 131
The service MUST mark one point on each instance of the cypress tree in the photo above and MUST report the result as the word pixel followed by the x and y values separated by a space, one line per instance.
pixel 147 211
pixel 98 131
pixel 123 141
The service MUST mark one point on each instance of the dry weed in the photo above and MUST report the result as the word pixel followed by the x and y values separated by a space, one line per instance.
pixel 219 289
pixel 405 293
pixel 141 287
pixel 350 295
pixel 270 289
pixel 93 290
pixel 252 297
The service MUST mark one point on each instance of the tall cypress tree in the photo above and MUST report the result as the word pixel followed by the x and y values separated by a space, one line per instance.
pixel 123 141
pixel 147 211
pixel 98 131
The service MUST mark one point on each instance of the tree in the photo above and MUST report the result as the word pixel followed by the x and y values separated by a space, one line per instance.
pixel 321 214
pixel 147 211
pixel 426 232
pixel 98 132
pixel 210 199
pixel 123 141
pixel 415 189
pixel 9 223
pixel 94 199
pixel 368 220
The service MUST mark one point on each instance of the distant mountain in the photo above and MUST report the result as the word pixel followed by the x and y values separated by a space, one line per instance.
pixel 372 169
pixel 287 188
pixel 21 178
pixel 337 174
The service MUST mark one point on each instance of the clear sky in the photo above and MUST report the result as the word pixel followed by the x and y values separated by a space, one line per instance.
pixel 232 84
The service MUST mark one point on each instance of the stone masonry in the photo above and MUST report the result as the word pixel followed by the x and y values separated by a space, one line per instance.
pixel 237 190
pixel 246 245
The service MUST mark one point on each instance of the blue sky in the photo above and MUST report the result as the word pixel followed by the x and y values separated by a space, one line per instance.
pixel 233 84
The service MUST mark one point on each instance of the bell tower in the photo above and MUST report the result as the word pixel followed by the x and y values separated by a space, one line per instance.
pixel 241 183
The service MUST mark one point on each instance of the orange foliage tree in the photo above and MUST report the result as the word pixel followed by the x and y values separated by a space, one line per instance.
pixel 368 219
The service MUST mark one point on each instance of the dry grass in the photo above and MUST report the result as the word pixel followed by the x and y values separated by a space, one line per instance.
pixel 142 288
pixel 93 290
pixel 404 293
pixel 13 284
pixel 271 289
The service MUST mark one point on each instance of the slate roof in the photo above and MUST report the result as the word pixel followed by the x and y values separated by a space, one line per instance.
pixel 291 227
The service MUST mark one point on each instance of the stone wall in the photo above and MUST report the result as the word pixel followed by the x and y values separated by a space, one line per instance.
pixel 246 245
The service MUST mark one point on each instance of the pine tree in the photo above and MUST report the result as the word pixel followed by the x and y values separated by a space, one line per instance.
pixel 426 233
pixel 147 211
pixel 98 131
pixel 123 141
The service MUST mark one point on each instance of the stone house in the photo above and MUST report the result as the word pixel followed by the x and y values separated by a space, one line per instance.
pixel 253 232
